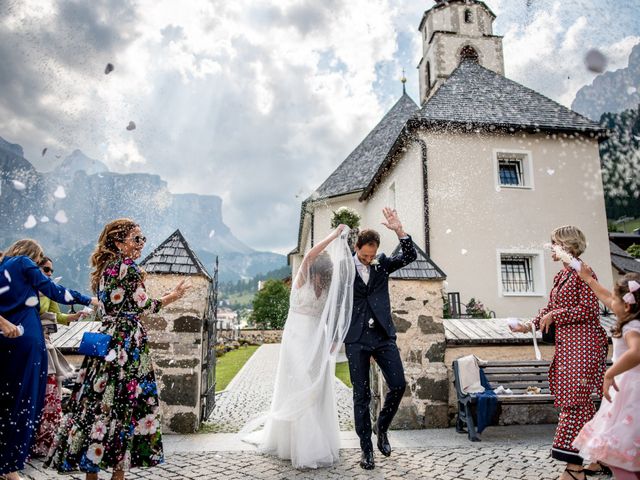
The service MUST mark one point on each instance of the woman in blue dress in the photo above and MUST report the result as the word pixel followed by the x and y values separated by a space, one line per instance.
pixel 23 359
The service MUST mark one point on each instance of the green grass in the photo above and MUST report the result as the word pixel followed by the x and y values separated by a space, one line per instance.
pixel 629 226
pixel 230 363
pixel 342 372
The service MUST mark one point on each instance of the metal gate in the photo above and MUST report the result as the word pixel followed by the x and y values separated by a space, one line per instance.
pixel 209 350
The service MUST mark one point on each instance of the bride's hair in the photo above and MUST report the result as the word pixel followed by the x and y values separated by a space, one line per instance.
pixel 322 269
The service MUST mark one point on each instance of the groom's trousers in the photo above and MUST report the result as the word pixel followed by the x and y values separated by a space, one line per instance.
pixel 377 345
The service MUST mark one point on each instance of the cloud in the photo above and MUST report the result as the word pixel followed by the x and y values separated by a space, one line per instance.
pixel 252 101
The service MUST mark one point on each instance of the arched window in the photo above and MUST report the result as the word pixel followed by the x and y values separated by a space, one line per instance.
pixel 469 52
pixel 468 16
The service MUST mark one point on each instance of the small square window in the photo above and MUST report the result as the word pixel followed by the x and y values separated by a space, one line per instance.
pixel 513 170
pixel 517 273
pixel 468 16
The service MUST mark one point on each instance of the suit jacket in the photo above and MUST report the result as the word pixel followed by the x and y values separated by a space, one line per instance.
pixel 371 300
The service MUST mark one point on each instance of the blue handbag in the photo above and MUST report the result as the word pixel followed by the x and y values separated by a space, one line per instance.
pixel 94 344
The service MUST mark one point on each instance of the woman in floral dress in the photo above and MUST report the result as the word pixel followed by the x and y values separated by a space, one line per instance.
pixel 113 418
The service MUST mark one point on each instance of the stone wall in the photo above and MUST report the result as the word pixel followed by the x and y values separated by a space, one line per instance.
pixel 258 337
pixel 176 337
pixel 417 314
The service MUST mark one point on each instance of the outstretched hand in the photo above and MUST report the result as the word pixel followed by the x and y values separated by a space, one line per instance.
pixel 392 221
pixel 585 272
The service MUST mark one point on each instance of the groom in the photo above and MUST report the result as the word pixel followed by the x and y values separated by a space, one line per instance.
pixel 373 335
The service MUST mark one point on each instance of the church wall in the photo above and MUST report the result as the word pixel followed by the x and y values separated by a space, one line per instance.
pixel 464 200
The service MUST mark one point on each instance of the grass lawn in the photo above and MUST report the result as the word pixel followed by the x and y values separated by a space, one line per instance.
pixel 629 226
pixel 230 363
pixel 342 372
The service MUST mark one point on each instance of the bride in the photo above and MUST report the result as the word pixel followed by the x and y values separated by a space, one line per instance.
pixel 302 424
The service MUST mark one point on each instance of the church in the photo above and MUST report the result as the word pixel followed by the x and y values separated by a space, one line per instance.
pixel 480 172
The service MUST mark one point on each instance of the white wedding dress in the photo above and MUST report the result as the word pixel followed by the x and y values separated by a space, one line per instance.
pixel 302 424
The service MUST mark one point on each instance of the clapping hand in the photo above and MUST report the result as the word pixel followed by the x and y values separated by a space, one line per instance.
pixel 392 221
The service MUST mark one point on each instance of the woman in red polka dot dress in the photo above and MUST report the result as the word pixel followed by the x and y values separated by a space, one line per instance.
pixel 579 362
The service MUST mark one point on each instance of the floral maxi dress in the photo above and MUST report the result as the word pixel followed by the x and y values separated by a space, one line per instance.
pixel 113 417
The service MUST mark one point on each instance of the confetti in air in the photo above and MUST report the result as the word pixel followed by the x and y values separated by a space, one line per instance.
pixel 595 61
pixel 108 69
pixel 31 222
pixel 463 251
pixel 31 301
pixel 67 296
pixel 212 233
pixel 57 279
pixel 4 289
pixel 448 231
pixel 131 126
pixel 551 171
pixel 44 219
pixel 60 193
pixel 61 217
pixel 18 185
pixel 7 275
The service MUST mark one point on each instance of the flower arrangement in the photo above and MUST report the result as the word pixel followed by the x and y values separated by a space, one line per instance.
pixel 476 309
pixel 346 216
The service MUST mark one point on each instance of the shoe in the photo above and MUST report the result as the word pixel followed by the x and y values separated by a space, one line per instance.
pixel 383 441
pixel 603 470
pixel 571 473
pixel 366 461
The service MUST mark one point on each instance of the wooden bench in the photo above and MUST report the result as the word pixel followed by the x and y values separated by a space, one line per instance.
pixel 515 375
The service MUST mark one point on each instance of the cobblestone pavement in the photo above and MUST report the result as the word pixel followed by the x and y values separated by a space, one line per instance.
pixel 472 462
pixel 249 394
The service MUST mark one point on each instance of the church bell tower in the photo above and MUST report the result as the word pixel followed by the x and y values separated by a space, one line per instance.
pixel 452 30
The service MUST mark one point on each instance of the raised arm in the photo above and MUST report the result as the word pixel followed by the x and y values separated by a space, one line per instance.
pixel 408 253
pixel 604 295
pixel 49 288
pixel 312 254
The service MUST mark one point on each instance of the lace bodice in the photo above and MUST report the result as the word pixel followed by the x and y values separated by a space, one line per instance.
pixel 305 301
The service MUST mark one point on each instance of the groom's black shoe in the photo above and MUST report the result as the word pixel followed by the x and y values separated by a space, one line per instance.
pixel 366 460
pixel 383 441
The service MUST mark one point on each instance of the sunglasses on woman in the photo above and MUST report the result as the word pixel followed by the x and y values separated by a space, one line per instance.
pixel 139 239
pixel 47 270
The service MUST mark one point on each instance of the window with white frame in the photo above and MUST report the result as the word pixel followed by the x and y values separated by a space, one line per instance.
pixel 513 169
pixel 521 273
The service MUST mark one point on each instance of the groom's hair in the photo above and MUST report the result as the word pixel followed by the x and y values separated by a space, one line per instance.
pixel 368 237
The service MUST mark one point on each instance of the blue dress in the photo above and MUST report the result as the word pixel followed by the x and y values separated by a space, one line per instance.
pixel 23 360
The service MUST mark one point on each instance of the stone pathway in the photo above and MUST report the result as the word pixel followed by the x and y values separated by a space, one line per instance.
pixel 249 394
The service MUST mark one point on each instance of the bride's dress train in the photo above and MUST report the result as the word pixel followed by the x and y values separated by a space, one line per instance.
pixel 302 424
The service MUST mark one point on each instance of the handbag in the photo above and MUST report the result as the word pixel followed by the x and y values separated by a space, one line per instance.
pixel 49 322
pixel 94 344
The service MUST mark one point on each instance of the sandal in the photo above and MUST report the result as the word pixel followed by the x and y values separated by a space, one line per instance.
pixel 603 470
pixel 571 473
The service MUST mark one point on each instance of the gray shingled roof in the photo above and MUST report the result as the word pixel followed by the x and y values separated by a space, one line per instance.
pixel 357 170
pixel 622 260
pixel 477 96
pixel 174 256
pixel 420 269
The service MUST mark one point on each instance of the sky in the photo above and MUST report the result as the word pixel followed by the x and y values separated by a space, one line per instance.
pixel 256 101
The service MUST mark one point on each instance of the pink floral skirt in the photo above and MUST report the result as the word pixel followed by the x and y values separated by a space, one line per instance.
pixel 613 435
pixel 50 420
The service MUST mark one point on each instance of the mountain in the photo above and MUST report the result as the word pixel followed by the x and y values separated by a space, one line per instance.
pixel 620 160
pixel 79 161
pixel 611 92
pixel 66 210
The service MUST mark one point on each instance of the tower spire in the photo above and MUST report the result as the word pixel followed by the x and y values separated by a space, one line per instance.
pixel 404 83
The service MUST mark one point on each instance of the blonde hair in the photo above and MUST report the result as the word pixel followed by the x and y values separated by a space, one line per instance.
pixel 27 247
pixel 106 249
pixel 571 239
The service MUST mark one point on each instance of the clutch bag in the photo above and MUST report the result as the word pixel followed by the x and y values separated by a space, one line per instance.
pixel 94 344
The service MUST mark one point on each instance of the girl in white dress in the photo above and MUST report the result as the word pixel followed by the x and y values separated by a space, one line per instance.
pixel 302 424
pixel 612 437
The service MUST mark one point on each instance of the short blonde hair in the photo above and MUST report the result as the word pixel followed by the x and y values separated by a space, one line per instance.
pixel 571 239
pixel 27 247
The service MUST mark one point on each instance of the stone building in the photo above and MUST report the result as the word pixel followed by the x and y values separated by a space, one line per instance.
pixel 182 335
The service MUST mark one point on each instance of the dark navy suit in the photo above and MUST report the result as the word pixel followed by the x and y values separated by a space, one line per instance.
pixel 371 301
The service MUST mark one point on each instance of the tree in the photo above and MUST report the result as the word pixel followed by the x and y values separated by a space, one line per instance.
pixel 270 305
pixel 634 250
